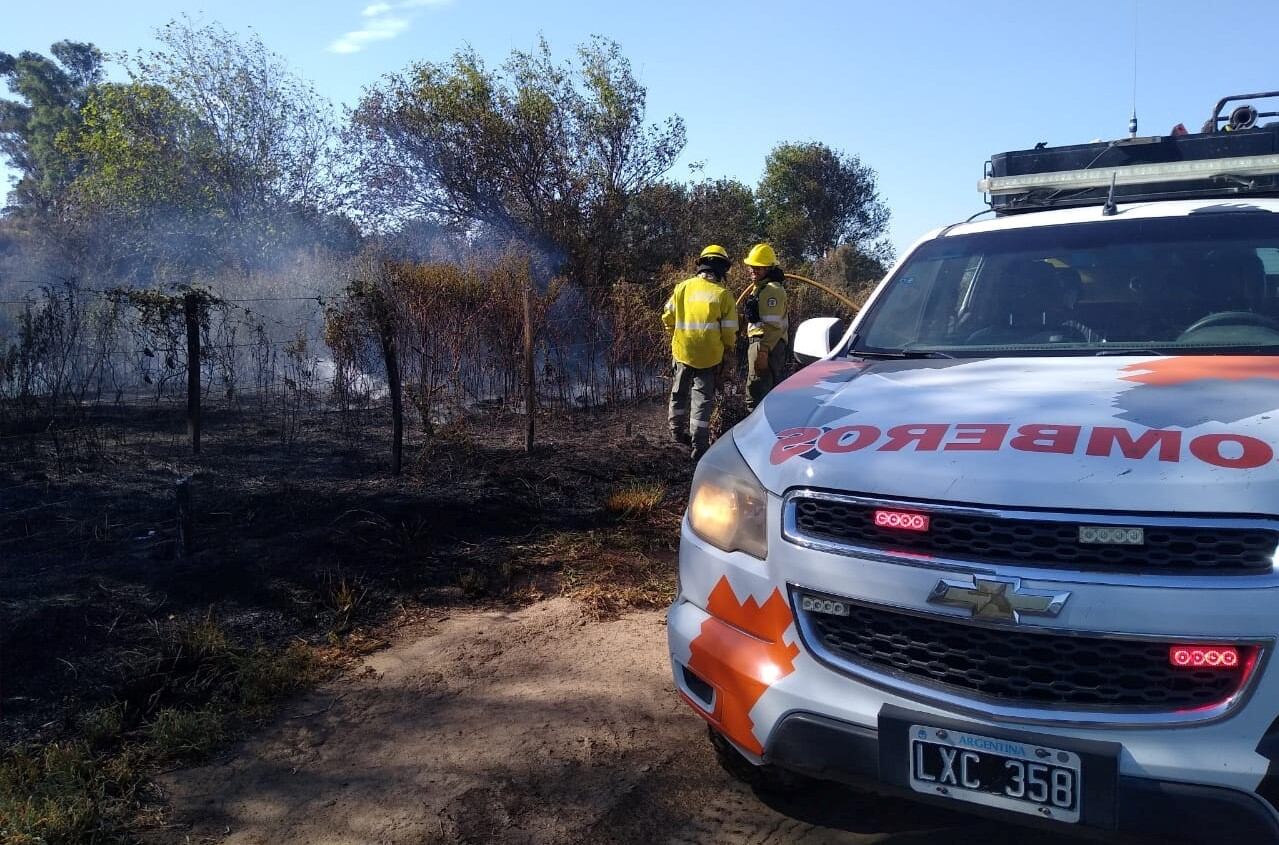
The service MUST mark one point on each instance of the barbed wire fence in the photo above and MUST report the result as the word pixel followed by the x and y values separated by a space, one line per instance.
pixel 73 356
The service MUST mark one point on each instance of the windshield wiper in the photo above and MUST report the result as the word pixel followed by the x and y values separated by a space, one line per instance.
pixel 902 354
pixel 1154 352
pixel 1257 349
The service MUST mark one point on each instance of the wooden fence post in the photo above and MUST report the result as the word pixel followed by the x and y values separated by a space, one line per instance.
pixel 530 385
pixel 390 355
pixel 191 307
pixel 185 517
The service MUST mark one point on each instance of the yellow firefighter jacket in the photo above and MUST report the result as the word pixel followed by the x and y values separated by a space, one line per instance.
pixel 702 319
pixel 772 325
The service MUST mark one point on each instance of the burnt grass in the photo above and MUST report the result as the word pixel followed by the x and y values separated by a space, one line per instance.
pixel 300 533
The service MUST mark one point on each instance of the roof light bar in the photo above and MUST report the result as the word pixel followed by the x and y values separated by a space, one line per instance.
pixel 1134 174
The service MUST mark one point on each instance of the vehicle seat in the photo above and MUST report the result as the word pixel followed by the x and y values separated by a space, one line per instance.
pixel 1027 298
pixel 1235 280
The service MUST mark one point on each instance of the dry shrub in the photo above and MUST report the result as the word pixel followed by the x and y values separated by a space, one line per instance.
pixel 638 353
pixel 472 582
pixel 458 329
pixel 195 664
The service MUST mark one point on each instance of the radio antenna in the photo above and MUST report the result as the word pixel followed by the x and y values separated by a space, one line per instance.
pixel 1110 209
pixel 1132 121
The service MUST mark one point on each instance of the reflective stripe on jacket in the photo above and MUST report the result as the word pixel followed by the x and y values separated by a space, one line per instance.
pixel 773 325
pixel 702 319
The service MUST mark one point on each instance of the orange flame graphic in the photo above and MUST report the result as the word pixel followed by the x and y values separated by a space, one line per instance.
pixel 1165 372
pixel 740 652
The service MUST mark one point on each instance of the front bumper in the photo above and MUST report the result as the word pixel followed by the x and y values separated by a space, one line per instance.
pixel 1139 808
pixel 739 662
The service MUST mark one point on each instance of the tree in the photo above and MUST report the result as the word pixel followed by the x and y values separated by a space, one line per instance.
pixel 143 152
pixel 143 184
pixel 724 211
pixel 265 140
pixel 656 227
pixel 51 93
pixel 853 270
pixel 549 153
pixel 814 198
pixel 668 223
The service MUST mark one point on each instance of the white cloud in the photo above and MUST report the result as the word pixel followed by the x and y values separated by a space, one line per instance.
pixel 383 24
pixel 377 29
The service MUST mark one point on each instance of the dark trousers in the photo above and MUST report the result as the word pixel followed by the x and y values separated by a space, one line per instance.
pixel 692 403
pixel 764 369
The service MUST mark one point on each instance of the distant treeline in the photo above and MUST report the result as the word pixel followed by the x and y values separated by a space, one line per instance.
pixel 216 169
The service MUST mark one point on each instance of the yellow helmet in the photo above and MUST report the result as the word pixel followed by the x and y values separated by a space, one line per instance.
pixel 761 255
pixel 714 251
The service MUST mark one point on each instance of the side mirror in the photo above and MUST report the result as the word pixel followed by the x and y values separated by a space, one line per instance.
pixel 817 338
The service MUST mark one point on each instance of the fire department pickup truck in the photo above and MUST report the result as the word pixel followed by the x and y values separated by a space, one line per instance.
pixel 1009 542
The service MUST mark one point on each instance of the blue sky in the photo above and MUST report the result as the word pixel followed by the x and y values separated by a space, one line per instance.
pixel 922 90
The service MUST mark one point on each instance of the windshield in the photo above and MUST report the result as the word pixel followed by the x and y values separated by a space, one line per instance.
pixel 1207 282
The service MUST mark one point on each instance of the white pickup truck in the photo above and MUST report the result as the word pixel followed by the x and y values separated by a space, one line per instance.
pixel 1010 543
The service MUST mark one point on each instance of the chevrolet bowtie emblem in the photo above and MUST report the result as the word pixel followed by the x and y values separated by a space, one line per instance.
pixel 998 599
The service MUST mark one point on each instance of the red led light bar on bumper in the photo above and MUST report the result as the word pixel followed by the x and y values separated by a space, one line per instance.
pixel 1208 656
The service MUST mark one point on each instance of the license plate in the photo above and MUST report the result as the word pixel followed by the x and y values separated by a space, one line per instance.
pixel 1007 774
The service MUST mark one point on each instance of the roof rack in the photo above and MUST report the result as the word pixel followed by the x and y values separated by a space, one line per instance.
pixel 1232 157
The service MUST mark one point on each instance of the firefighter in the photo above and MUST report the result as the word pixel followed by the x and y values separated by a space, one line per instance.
pixel 766 325
pixel 701 317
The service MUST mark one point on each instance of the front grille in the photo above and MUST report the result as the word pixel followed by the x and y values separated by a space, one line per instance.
pixel 1027 541
pixel 1015 666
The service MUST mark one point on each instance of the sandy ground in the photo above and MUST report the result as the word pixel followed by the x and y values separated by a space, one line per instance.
pixel 534 726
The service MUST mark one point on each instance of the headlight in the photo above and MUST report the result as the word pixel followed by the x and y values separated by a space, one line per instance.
pixel 727 506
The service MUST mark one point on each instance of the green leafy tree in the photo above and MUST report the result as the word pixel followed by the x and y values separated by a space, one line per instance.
pixel 142 194
pixel 50 93
pixel 668 223
pixel 216 148
pixel 854 270
pixel 814 198
pixel 657 230
pixel 724 211
pixel 273 132
pixel 551 153
pixel 143 152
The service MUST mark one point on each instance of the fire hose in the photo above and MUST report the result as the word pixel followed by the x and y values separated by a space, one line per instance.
pixel 853 306
pixel 826 288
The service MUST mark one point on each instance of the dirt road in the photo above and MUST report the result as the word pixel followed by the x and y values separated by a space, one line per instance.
pixel 534 726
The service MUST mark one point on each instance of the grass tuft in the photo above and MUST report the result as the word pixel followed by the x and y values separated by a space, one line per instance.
pixel 473 582
pixel 202 639
pixel 102 725
pixel 265 676
pixel 635 499
pixel 62 794
pixel 186 734
pixel 343 597
pixel 195 683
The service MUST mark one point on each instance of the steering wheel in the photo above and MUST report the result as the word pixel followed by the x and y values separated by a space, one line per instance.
pixel 1232 318
pixel 1060 334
